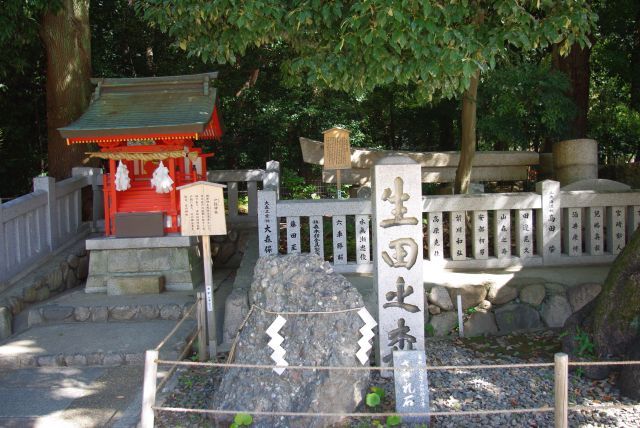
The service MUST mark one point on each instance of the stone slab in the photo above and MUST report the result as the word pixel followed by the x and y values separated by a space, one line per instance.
pixel 135 284
pixel 136 243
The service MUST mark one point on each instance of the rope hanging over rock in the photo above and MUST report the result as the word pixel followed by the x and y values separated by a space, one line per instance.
pixel 123 182
pixel 161 179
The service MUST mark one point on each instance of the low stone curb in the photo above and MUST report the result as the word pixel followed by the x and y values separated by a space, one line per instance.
pixel 67 314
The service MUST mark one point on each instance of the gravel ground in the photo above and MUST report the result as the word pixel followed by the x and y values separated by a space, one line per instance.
pixel 459 390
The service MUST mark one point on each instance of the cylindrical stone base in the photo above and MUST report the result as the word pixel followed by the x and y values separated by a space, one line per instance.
pixel 575 160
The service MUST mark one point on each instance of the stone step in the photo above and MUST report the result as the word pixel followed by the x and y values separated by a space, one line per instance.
pixel 78 307
pixel 92 344
pixel 54 314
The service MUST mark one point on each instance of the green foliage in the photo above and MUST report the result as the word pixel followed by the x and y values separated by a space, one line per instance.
pixel 358 46
pixel 394 420
pixel 375 397
pixel 612 121
pixel 429 330
pixel 522 105
pixel 241 419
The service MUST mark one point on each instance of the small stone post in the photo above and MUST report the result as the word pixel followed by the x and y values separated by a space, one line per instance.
pixel 48 184
pixel 548 222
pixel 398 259
pixel 94 177
pixel 267 210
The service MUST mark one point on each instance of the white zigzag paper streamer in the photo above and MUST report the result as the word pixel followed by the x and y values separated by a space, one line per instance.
pixel 275 342
pixel 367 335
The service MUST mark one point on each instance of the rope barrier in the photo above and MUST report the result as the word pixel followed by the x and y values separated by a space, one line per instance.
pixel 137 156
pixel 606 406
pixel 172 370
pixel 177 326
pixel 354 415
pixel 357 368
pixel 604 363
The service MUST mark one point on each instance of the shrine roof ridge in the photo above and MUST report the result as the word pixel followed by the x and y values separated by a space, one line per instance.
pixel 147 106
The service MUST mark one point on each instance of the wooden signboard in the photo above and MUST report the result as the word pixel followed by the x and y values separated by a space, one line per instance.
pixel 337 152
pixel 202 214
pixel 202 209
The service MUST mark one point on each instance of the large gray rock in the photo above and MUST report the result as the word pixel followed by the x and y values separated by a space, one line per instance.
pixel 581 294
pixel 516 317
pixel 480 324
pixel 472 294
pixel 326 337
pixel 499 294
pixel 629 383
pixel 556 310
pixel 442 324
pixel 439 296
pixel 533 294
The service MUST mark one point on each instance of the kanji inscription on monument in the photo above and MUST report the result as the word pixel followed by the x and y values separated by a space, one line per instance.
pixel 412 386
pixel 202 209
pixel 397 220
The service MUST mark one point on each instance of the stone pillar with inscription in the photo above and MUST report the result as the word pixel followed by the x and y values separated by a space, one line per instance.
pixel 398 259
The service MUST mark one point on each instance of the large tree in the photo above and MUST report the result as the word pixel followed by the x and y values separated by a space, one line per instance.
pixel 63 28
pixel 440 48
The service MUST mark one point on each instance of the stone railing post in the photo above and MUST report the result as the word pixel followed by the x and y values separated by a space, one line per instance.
pixel 267 222
pixel 548 222
pixel 48 184
pixel 271 180
pixel 397 252
pixel 94 179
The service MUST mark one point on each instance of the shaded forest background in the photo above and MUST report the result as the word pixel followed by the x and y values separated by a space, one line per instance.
pixel 526 103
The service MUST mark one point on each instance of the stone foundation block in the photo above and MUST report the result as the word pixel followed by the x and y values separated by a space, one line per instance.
pixel 138 284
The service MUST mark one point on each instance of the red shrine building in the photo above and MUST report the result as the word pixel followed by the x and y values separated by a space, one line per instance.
pixel 145 129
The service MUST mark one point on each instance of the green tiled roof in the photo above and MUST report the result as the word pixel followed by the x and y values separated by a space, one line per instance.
pixel 150 105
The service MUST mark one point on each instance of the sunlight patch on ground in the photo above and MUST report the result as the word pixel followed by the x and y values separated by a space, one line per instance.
pixel 19 347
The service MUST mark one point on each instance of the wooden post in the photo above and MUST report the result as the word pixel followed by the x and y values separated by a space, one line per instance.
pixel 338 184
pixel 149 388
pixel 460 323
pixel 208 285
pixel 561 390
pixel 201 315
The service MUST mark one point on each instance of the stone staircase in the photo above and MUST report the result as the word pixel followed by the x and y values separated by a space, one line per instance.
pixel 79 329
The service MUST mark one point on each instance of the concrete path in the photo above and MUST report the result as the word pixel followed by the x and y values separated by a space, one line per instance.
pixel 89 374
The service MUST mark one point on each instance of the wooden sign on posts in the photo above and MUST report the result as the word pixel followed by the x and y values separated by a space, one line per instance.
pixel 337 152
pixel 202 209
pixel 202 214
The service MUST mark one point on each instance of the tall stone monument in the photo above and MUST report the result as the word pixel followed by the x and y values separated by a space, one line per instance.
pixel 397 222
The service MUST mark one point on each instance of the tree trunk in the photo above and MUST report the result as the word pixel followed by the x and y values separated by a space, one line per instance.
pixel 468 138
pixel 635 66
pixel 67 40
pixel 576 67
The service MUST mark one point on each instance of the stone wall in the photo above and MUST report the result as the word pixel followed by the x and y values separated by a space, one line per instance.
pixel 228 250
pixel 63 272
pixel 519 305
